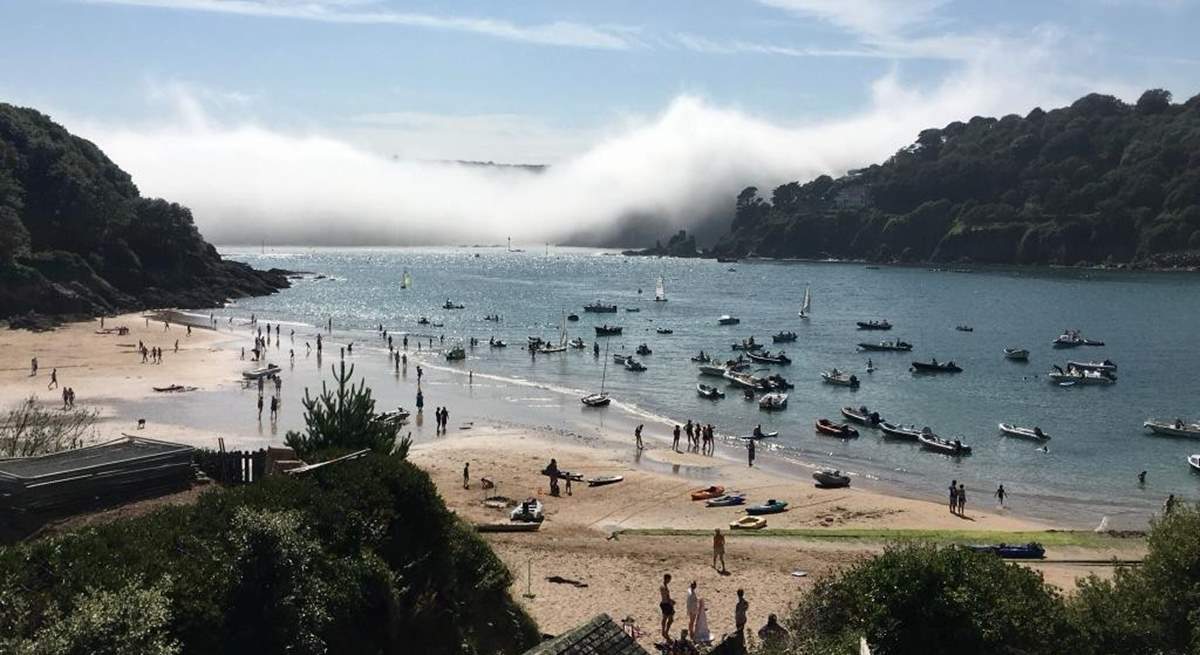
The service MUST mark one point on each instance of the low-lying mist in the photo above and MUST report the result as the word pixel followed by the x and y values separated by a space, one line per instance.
pixel 248 183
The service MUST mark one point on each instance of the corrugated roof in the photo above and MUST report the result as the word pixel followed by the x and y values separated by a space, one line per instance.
pixel 600 636
pixel 111 452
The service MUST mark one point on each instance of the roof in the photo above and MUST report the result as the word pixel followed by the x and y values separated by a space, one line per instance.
pixel 600 636
pixel 121 450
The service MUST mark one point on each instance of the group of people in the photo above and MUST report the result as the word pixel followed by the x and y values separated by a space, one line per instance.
pixel 150 355
pixel 701 438
pixel 697 631
pixel 276 396
pixel 958 498
pixel 442 416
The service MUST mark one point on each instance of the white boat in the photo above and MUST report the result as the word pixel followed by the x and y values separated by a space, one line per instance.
pixel 714 371
pixel 455 354
pixel 632 364
pixel 599 399
pixel 262 372
pixel 744 380
pixel 1016 354
pixel 618 358
pixel 660 290
pixel 529 511
pixel 1034 433
pixel 547 348
pixel 577 343
pixel 1176 428
pixel 726 319
pixel 953 447
pixel 839 378
pixel 709 391
pixel 1194 462
pixel 773 401
pixel 1068 339
pixel 806 306
pixel 1082 377
pixel 1106 365
pixel 406 280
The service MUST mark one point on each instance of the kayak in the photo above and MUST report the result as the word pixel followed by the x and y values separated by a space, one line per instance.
pixel 728 500
pixel 604 479
pixel 708 493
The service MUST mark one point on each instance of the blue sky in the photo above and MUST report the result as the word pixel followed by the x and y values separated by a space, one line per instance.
pixel 552 80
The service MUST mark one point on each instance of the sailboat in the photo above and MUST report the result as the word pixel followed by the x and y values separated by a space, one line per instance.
pixel 660 290
pixel 806 307
pixel 599 399
pixel 406 281
pixel 547 348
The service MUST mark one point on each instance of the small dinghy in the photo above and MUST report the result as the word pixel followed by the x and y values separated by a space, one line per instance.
pixel 783 337
pixel 633 309
pixel 601 480
pixel 1012 551
pixel 595 400
pixel 634 365
pixel 577 343
pixel 665 331
pixel 728 320
pixel 607 330
pixel 773 402
pixel 643 350
pixel 933 366
pixel 1176 428
pixel 862 415
pixel 728 500
pixel 748 523
pixel 886 346
pixel 772 506
pixel 572 317
pixel 497 343
pixel 840 378
pixel 874 325
pixel 964 328
pixel 831 479
pixel 747 345
pixel 1194 462
pixel 909 432
pixel 1034 433
pixel 1016 354
pixel 843 431
pixel 765 357
pixel 529 511
pixel 456 354
pixel 265 371
pixel 708 493
pixel 709 391
pixel 952 447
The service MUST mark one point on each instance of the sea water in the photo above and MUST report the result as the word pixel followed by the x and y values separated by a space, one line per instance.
pixel 1098 446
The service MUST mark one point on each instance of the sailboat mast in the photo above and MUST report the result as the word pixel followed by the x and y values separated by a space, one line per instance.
pixel 604 374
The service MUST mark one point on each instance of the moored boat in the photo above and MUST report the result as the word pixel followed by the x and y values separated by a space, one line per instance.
pixel 632 364
pixel 1194 462
pixel 886 346
pixel 862 415
pixel 744 380
pixel 874 325
pixel 261 372
pixel 601 480
pixel 1107 365
pixel 456 354
pixel 774 401
pixel 600 308
pixel 643 350
pixel 1016 354
pixel 709 391
pixel 665 331
pixel 595 400
pixel 840 378
pixel 1078 376
pixel 728 500
pixel 831 479
pixel 715 371
pixel 783 337
pixel 1176 428
pixel 896 431
pixel 747 345
pixel 577 343
pixel 843 431
pixel 933 366
pixel 726 319
pixel 765 357
pixel 607 330
pixel 1034 433
pixel 953 447
pixel 451 305
pixel 1068 339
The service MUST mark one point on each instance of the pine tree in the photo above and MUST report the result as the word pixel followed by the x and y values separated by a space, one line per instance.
pixel 344 419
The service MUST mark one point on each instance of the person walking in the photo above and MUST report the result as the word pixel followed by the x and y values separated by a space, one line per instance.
pixel 954 496
pixel 260 406
pixel 33 366
pixel 53 379
pixel 274 407
pixel 718 549
pixel 445 418
pixel 667 605
pixel 1000 494
pixel 962 499
pixel 739 614
pixel 692 604
pixel 675 447
pixel 637 434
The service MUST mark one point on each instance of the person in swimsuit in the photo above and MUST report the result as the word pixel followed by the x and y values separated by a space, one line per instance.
pixel 667 605
pixel 719 549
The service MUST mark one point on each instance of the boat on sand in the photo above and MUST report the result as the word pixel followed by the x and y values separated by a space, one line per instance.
pixel 708 493
pixel 748 523
pixel 831 479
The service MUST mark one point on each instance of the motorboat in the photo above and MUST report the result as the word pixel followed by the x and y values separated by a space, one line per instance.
pixel 953 447
pixel 775 382
pixel 643 350
pixel 747 345
pixel 632 364
pixel 715 371
pixel 806 306
pixel 728 320
pixel 896 431
pixel 772 506
pixel 1016 354
pixel 572 317
pixel 1107 365
pixel 844 431
pixel 595 399
pixel 261 372
pixel 1034 433
pixel 1012 551
pixel 497 343
pixel 529 511
pixel 874 325
pixel 633 309
pixel 455 354
pixel 665 331
pixel 765 357
pixel 1194 462
pixel 1176 428
pixel 601 480
pixel 840 378
pixel 934 366
pixel 708 493
pixel 831 479
pixel 1068 339
pixel 862 415
pixel 600 308
pixel 701 358
pixel 748 523
pixel 964 328
pixel 423 321
pixel 1077 376
pixel 577 343
pixel 743 380
pixel 607 330
pixel 494 318
pixel 710 392
pixel 774 401
pixel 451 305
pixel 783 337
pixel 398 416
pixel 886 346
pixel 728 500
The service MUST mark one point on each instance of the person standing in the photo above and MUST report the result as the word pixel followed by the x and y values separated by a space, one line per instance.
pixel 637 434
pixel 675 447
pixel 739 614
pixel 692 604
pixel 750 452
pixel 718 549
pixel 445 418
pixel 1000 494
pixel 260 406
pixel 954 496
pixel 962 498
pixel 689 430
pixel 667 605
pixel 466 475
pixel 33 367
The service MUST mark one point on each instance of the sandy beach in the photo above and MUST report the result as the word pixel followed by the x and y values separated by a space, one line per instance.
pixel 618 540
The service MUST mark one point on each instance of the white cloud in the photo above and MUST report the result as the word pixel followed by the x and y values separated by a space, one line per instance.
pixel 877 19
pixel 705 45
pixel 558 33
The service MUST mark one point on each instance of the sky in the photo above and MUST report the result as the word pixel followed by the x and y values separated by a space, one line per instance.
pixel 299 121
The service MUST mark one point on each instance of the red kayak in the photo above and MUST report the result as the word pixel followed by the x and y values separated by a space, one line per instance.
pixel 825 426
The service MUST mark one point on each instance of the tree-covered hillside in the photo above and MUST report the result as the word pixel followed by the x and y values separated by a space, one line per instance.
pixel 1099 181
pixel 76 238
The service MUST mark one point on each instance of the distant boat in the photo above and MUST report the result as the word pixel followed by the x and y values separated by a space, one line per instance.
pixel 840 378
pixel 451 305
pixel 665 331
pixel 1194 462
pixel 1081 376
pixel 634 365
pixel 874 325
pixel 727 260
pixel 902 432
pixel 1068 339
pixel 862 415
pixel 561 346
pixel 844 431
pixel 1034 433
pixel 455 354
pixel 1176 428
pixel 660 291
pixel 886 346
pixel 265 371
pixel 600 308
pixel 728 320
pixel 952 447
pixel 932 366
pixel 806 306
pixel 783 337
pixel 1107 365
pixel 766 357
pixel 964 328
pixel 607 330
pixel 1016 354
pixel 599 399
pixel 406 280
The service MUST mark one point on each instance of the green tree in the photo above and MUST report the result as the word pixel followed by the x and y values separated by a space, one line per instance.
pixel 344 419
pixel 133 620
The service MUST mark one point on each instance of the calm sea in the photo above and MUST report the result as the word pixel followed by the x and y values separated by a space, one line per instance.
pixel 1148 322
